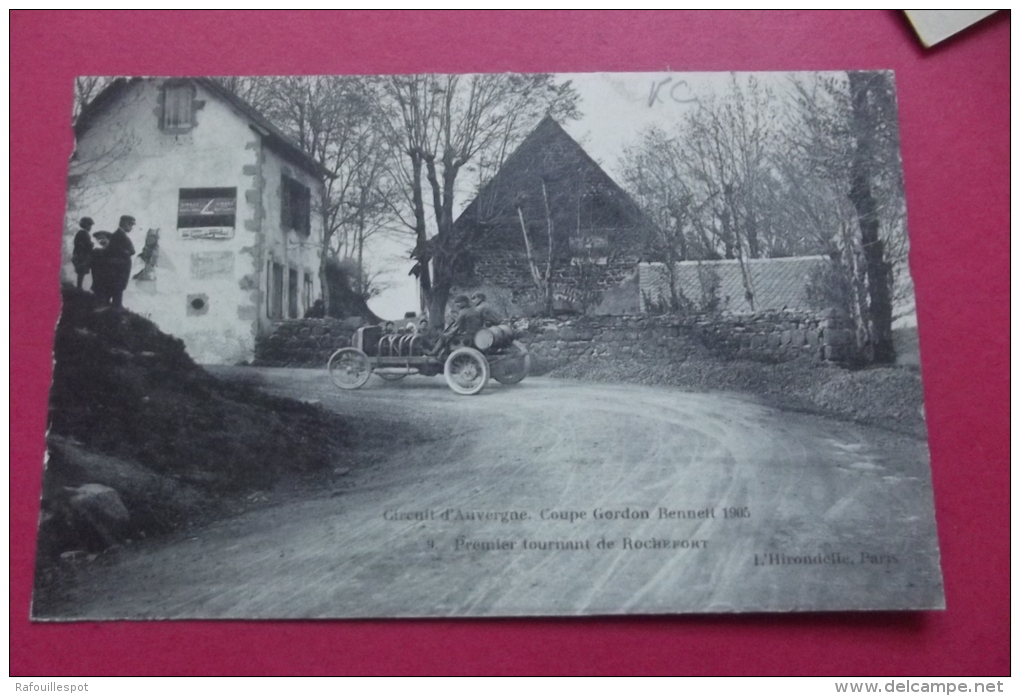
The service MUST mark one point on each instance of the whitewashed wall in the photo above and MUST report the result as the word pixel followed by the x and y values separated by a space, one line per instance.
pixel 125 164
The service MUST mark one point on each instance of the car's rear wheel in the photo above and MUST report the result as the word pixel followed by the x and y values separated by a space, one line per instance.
pixel 466 371
pixel 349 368
pixel 512 365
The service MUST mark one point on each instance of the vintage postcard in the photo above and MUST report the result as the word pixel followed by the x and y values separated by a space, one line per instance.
pixel 485 345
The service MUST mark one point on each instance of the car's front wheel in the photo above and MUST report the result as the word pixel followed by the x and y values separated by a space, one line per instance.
pixel 349 368
pixel 466 371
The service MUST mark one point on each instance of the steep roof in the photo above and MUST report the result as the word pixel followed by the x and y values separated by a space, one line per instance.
pixel 779 283
pixel 547 152
pixel 274 138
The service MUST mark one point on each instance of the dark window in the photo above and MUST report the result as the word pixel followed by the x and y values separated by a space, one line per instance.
pixel 207 207
pixel 178 107
pixel 292 294
pixel 269 289
pixel 276 293
pixel 307 296
pixel 295 206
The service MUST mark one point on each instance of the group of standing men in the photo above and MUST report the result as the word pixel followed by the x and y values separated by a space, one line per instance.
pixel 108 259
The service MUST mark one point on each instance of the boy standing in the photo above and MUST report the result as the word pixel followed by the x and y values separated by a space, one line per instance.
pixel 81 253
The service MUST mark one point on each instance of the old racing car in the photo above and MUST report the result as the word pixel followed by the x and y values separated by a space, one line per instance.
pixel 467 362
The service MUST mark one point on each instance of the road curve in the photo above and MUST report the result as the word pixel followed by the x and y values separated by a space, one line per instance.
pixel 558 498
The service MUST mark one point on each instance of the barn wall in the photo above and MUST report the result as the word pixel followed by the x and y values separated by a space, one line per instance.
pixel 584 285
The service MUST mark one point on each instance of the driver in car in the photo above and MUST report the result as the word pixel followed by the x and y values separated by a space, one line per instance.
pixel 469 320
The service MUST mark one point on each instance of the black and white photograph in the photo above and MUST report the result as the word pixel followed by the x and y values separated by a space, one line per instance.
pixel 485 345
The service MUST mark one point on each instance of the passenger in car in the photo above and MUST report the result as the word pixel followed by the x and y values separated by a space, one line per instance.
pixel 467 323
pixel 490 317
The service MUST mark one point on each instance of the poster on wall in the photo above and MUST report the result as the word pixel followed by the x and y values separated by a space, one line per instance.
pixel 520 345
pixel 207 232
pixel 207 213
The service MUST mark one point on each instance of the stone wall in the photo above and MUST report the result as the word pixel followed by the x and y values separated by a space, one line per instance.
pixel 304 342
pixel 769 337
pixel 780 336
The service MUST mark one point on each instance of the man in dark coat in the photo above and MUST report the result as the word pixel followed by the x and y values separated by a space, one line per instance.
pixel 490 317
pixel 119 253
pixel 467 323
pixel 81 253
pixel 103 272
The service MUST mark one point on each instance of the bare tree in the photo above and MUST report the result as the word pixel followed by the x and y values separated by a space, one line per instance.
pixel 746 183
pixel 333 119
pixel 255 91
pixel 711 183
pixel 729 142
pixel 441 125
pixel 656 177
pixel 87 88
pixel 848 138
pixel 91 169
pixel 871 95
pixel 366 190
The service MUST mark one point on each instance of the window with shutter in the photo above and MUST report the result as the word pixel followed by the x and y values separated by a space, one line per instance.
pixel 285 207
pixel 292 294
pixel 295 206
pixel 178 107
pixel 306 296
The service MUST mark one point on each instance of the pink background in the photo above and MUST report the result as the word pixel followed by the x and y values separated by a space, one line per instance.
pixel 954 108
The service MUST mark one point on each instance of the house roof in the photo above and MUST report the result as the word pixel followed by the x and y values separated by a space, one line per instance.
pixel 530 162
pixel 274 138
pixel 777 284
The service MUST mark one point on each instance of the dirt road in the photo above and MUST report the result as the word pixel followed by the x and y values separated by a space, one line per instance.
pixel 557 497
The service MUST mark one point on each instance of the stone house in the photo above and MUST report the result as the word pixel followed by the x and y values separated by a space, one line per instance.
pixel 228 209
pixel 549 186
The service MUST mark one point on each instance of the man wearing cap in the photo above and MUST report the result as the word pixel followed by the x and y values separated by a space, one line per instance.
pixel 120 252
pixel 81 253
pixel 467 323
pixel 103 273
pixel 489 315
